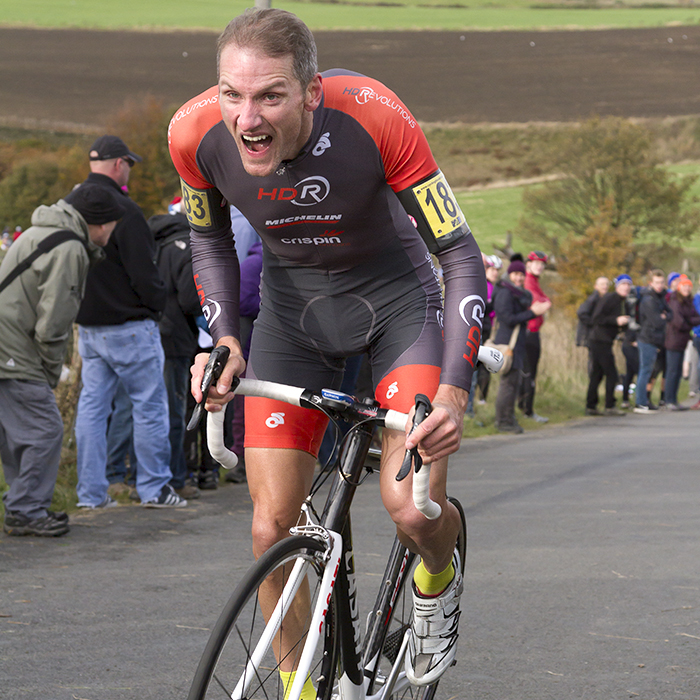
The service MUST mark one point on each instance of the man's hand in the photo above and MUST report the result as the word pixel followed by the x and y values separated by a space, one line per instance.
pixel 623 320
pixel 219 395
pixel 440 433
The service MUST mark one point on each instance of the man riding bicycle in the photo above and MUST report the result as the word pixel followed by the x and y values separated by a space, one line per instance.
pixel 336 176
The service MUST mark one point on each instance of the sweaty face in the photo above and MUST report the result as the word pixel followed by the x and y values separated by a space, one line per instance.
pixel 264 107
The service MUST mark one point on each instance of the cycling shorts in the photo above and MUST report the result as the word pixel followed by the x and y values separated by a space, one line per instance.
pixel 311 320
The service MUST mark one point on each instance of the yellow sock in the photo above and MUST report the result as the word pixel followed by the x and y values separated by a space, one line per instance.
pixel 432 584
pixel 308 692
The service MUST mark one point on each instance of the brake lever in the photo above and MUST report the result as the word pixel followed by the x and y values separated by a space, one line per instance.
pixel 215 366
pixel 423 410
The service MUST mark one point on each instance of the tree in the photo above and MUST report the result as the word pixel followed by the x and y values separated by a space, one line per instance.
pixel 608 165
pixel 605 250
pixel 143 125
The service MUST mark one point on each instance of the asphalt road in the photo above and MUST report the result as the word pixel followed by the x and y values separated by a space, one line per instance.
pixel 583 576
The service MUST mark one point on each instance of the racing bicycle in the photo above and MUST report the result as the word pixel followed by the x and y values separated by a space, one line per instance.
pixel 315 564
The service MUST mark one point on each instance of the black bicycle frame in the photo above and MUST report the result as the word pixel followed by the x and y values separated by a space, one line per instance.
pixel 336 517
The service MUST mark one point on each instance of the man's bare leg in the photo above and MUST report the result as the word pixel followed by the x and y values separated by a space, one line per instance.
pixel 279 480
pixel 433 540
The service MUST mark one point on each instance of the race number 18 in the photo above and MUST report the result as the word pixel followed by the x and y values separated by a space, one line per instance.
pixel 439 205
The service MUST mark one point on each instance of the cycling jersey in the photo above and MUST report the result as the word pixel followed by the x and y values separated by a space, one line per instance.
pixel 332 224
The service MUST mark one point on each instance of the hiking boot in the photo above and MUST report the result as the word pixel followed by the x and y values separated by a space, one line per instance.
pixel 208 480
pixel 432 644
pixel 237 474
pixel 166 499
pixel 614 412
pixel 17 524
pixel 188 491
pixel 510 428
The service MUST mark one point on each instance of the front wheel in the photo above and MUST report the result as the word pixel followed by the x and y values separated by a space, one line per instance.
pixel 239 660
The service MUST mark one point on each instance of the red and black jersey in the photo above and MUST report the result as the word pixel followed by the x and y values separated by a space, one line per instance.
pixel 333 207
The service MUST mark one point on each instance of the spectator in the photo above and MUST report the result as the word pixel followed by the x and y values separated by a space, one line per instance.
pixel 654 313
pixel 17 233
pixel 629 347
pixel 178 330
pixel 534 267
pixel 120 341
pixel 482 377
pixel 40 301
pixel 609 316
pixel 514 307
pixel 249 307
pixel 585 311
pixel 696 343
pixel 677 334
pixel 672 283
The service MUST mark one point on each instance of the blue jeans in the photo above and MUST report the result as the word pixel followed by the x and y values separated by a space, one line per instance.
pixel 120 440
pixel 647 359
pixel 130 353
pixel 176 375
pixel 674 370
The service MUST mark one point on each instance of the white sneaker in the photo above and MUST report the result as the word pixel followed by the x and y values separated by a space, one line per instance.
pixel 539 419
pixel 432 644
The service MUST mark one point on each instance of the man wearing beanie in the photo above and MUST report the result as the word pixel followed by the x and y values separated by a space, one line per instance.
pixel 120 342
pixel 42 281
pixel 610 315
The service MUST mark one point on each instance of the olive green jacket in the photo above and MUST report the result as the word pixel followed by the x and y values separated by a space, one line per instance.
pixel 37 309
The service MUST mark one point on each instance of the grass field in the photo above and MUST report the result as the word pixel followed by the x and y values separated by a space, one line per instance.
pixel 491 213
pixel 469 14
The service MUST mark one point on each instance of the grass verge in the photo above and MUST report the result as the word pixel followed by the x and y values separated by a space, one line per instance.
pixel 388 16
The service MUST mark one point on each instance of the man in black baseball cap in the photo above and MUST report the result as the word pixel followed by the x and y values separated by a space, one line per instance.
pixel 124 298
pixel 109 147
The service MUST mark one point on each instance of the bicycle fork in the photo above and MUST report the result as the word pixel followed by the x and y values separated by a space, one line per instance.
pixel 296 578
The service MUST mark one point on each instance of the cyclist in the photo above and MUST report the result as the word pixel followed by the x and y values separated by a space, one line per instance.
pixel 320 165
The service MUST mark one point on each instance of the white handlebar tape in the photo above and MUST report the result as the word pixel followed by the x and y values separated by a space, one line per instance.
pixel 215 440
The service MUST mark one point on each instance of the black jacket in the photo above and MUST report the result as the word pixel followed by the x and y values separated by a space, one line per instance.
pixel 652 326
pixel 604 317
pixel 178 331
pixel 512 306
pixel 126 286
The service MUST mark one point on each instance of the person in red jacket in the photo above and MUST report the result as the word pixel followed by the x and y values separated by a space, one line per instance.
pixel 534 267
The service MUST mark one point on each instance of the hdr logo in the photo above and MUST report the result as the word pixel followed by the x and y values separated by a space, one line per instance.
pixel 275 420
pixel 307 192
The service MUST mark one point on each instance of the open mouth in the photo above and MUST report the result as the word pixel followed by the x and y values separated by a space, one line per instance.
pixel 256 144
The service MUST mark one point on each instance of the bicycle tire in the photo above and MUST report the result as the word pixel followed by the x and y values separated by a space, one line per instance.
pixel 240 625
pixel 392 633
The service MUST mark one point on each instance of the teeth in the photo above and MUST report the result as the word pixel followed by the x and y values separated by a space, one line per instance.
pixel 254 138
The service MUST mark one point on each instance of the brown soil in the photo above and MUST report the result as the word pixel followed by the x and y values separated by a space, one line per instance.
pixel 83 76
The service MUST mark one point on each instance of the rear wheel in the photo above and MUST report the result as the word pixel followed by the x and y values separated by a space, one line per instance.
pixel 238 662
